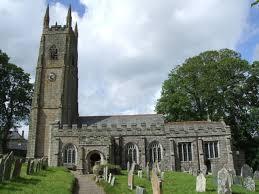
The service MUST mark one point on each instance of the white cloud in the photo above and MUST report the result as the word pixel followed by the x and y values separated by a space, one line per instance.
pixel 126 48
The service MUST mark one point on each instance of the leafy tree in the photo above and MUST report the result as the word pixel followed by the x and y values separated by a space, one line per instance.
pixel 15 97
pixel 255 3
pixel 214 85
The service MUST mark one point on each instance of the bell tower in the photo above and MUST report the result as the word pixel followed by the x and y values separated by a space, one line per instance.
pixel 56 84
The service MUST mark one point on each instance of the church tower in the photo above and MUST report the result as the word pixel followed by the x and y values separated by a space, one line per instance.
pixel 56 84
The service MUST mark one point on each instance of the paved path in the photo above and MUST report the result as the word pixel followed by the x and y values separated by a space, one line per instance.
pixel 86 184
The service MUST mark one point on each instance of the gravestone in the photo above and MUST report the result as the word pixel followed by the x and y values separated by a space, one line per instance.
pixel 17 168
pixel 28 166
pixel 249 184
pixel 130 180
pixel 110 178
pixel 45 163
pixel 224 187
pixel 113 181
pixel 36 164
pixel 256 175
pixel 190 170
pixel 156 182
pixel 140 190
pixel 8 163
pixel 200 183
pixel 246 171
pixel 32 167
pixel 195 171
pixel 128 166
pixel 133 167
pixel 162 175
pixel 147 172
pixel 158 168
pixel 140 173
pixel 204 169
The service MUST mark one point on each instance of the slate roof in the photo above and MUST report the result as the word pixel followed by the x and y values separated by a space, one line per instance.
pixel 122 119
pixel 16 141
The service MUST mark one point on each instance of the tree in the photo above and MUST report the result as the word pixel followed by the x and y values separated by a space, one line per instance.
pixel 15 97
pixel 255 3
pixel 213 85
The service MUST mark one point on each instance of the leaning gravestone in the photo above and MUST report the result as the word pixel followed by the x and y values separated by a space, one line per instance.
pixel 130 180
pixel 246 171
pixel 17 168
pixel 140 190
pixel 156 182
pixel 113 181
pixel 256 175
pixel 8 166
pixel 200 183
pixel 224 187
pixel 249 184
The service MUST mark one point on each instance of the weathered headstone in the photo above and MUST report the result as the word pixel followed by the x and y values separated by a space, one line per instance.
pixel 148 171
pixel 45 163
pixel 204 169
pixel 246 171
pixel 140 173
pixel 28 166
pixel 133 167
pixel 110 178
pixel 194 171
pixel 162 175
pixel 32 167
pixel 156 182
pixel 237 180
pixel 8 166
pixel 200 183
pixel 256 175
pixel 140 190
pixel 17 168
pixel 113 181
pixel 190 170
pixel 130 179
pixel 128 166
pixel 224 187
pixel 1 169
pixel 249 184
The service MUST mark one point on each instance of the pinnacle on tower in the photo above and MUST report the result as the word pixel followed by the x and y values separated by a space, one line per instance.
pixel 76 30
pixel 69 17
pixel 46 18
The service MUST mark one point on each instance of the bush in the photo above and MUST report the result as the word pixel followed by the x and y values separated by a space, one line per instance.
pixel 114 169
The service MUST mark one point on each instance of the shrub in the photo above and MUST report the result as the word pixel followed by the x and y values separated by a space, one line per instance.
pixel 114 169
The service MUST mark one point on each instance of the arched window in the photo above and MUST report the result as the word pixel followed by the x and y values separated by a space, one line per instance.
pixel 69 154
pixel 53 52
pixel 155 152
pixel 131 153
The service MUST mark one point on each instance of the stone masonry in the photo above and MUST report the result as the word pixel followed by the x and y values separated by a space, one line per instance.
pixel 58 132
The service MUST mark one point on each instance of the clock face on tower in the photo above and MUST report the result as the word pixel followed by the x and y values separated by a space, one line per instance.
pixel 52 77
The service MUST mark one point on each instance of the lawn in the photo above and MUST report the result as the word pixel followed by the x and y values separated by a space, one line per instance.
pixel 52 181
pixel 174 182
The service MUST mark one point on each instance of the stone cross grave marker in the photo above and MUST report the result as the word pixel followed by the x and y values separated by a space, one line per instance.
pixel 246 171
pixel 113 181
pixel 140 190
pixel 130 180
pixel 128 166
pixel 224 186
pixel 256 175
pixel 200 183
pixel 156 182
pixel 249 184
pixel 140 173
pixel 110 178
pixel 17 168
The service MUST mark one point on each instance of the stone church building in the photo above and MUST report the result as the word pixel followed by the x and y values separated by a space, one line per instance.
pixel 67 139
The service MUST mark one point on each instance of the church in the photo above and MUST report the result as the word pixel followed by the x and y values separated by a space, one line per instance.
pixel 67 139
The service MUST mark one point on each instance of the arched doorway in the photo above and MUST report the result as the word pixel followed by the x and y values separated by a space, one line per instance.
pixel 93 158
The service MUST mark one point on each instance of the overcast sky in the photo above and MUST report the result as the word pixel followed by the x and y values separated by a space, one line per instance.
pixel 127 47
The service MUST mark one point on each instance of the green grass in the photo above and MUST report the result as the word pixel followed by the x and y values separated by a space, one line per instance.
pixel 174 182
pixel 52 181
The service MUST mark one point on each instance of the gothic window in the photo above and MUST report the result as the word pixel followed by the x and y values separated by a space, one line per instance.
pixel 131 153
pixel 53 52
pixel 70 154
pixel 155 152
pixel 211 149
pixel 185 151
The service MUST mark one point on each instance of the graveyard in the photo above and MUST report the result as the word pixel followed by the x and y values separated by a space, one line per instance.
pixel 174 182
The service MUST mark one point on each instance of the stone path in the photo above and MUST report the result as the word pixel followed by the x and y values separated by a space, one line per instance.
pixel 86 185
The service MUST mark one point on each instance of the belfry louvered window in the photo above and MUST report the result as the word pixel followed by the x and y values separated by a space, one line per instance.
pixel 53 52
pixel 69 154
pixel 131 153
